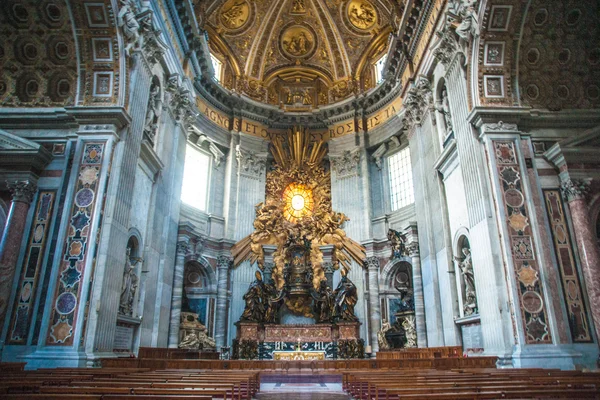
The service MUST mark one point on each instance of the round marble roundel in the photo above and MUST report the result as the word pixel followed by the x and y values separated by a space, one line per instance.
pixel 65 303
pixel 532 302
pixel 84 197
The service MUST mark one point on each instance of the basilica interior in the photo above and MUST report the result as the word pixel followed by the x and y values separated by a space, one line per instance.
pixel 300 180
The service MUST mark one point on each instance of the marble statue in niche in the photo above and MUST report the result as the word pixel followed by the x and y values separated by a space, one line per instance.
pixel 443 107
pixel 468 279
pixel 153 112
pixel 410 330
pixel 346 298
pixel 129 284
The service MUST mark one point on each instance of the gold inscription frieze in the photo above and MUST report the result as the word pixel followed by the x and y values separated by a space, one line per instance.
pixel 216 117
pixel 254 128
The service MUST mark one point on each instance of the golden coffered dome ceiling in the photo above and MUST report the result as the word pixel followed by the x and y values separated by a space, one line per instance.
pixel 299 54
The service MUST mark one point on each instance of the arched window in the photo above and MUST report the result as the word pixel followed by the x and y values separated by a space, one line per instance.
pixel 401 181
pixel 217 67
pixel 379 66
pixel 196 174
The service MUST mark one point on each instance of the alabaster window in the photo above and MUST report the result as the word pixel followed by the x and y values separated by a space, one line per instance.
pixel 217 66
pixel 196 173
pixel 379 65
pixel 401 183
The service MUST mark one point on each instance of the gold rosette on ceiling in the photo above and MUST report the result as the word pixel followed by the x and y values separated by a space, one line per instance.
pixel 298 208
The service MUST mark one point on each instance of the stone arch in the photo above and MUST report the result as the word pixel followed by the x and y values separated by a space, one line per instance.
pixel 391 267
pixel 595 216
pixel 200 290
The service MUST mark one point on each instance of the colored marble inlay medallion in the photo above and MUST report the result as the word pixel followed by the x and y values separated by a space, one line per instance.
pixel 522 245
pixel 578 320
pixel 67 297
pixel 21 320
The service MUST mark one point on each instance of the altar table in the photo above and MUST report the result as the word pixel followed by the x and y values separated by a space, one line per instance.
pixel 299 355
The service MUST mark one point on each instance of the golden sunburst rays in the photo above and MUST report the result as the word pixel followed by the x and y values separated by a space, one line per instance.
pixel 298 204
pixel 297 147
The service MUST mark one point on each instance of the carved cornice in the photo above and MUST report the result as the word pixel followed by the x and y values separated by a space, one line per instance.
pixel 500 126
pixel 347 164
pixel 22 191
pixel 574 189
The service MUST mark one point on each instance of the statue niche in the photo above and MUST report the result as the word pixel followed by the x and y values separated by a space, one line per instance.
pixel 129 284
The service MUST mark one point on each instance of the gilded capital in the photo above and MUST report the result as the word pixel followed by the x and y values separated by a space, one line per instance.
pixel 22 191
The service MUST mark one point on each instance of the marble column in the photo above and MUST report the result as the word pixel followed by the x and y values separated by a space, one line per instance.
pixel 223 264
pixel 413 251
pixel 574 191
pixel 374 308
pixel 176 299
pixel 22 193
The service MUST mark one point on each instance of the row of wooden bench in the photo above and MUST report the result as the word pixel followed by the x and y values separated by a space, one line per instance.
pixel 475 383
pixel 127 383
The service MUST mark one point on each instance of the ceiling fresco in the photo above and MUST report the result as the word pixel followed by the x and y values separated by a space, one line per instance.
pixel 299 54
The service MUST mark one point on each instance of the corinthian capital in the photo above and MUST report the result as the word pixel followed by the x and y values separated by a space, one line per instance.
pixel 574 189
pixel 224 262
pixel 413 249
pixel 183 248
pixel 22 191
pixel 372 263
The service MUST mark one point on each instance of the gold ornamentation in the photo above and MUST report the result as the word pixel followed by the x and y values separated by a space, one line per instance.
pixel 298 202
pixel 362 14
pixel 297 41
pixel 298 7
pixel 527 276
pixel 235 14
pixel 298 170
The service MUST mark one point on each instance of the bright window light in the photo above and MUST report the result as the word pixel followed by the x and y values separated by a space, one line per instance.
pixel 217 66
pixel 401 182
pixel 195 178
pixel 379 68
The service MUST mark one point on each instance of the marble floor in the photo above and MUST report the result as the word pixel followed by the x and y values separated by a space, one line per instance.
pixel 312 387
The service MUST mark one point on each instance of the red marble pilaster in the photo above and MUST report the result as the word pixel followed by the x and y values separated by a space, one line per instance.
pixel 22 194
pixel 574 191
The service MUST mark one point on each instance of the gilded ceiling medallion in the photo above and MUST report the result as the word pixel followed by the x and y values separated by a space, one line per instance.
pixel 361 14
pixel 298 41
pixel 235 14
